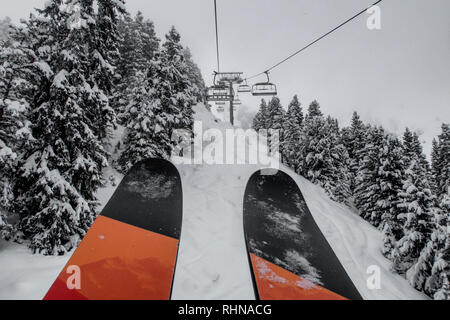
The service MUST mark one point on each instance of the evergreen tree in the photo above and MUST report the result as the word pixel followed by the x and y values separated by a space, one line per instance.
pixel 146 136
pixel 435 164
pixel 358 133
pixel 148 43
pixel 137 46
pixel 431 272
pixel 162 102
pixel 441 163
pixel 322 158
pixel 195 75
pixel 378 182
pixel 259 121
pixel 104 56
pixel 17 69
pixel 367 190
pixel 179 90
pixel 314 110
pixel 63 170
pixel 274 114
pixel 408 150
pixel 418 152
pixel 291 130
pixel 390 180
pixel 274 121
pixel 439 282
pixel 353 138
pixel 416 204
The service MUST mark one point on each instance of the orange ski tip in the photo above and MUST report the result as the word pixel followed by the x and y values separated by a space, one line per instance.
pixel 117 261
pixel 276 283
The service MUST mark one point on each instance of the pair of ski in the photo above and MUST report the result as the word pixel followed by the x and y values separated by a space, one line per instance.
pixel 130 252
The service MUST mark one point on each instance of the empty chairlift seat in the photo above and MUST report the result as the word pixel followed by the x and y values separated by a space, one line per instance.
pixel 264 89
pixel 244 88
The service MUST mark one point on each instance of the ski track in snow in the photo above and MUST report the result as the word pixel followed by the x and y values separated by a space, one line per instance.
pixel 212 261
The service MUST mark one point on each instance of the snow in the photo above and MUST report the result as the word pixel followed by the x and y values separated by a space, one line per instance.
pixel 44 68
pixel 212 261
pixel 24 275
pixel 60 79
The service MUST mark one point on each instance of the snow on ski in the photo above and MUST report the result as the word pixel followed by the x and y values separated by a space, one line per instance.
pixel 289 256
pixel 131 250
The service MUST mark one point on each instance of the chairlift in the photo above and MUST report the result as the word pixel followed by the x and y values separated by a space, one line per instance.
pixel 264 88
pixel 244 88
pixel 218 93
pixel 227 77
pixel 237 102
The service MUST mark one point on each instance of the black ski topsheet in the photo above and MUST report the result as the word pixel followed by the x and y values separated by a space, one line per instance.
pixel 130 251
pixel 280 232
pixel 149 197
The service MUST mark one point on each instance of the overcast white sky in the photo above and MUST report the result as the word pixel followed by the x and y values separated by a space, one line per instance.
pixel 398 76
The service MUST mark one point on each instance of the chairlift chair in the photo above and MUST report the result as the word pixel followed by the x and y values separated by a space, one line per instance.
pixel 227 77
pixel 264 88
pixel 218 93
pixel 244 88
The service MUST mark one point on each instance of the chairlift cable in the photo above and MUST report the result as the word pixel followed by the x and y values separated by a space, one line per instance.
pixel 217 36
pixel 314 42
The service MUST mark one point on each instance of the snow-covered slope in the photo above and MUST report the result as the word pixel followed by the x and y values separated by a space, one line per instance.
pixel 212 262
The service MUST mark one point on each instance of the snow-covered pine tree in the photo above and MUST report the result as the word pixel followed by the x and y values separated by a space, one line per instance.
pixel 408 151
pixel 441 163
pixel 291 133
pixel 259 121
pixel 431 272
pixel 439 282
pixel 435 165
pixel 63 170
pixel 367 188
pixel 314 110
pixel 418 152
pixel 390 180
pixel 162 102
pixel 310 158
pixel 353 139
pixel 416 204
pixel 17 74
pixel 146 136
pixel 132 60
pixel 195 75
pixel 274 121
pixel 104 56
pixel 178 90
pixel 323 158
pixel 149 42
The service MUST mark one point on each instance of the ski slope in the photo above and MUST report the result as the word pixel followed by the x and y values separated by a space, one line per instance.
pixel 212 261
